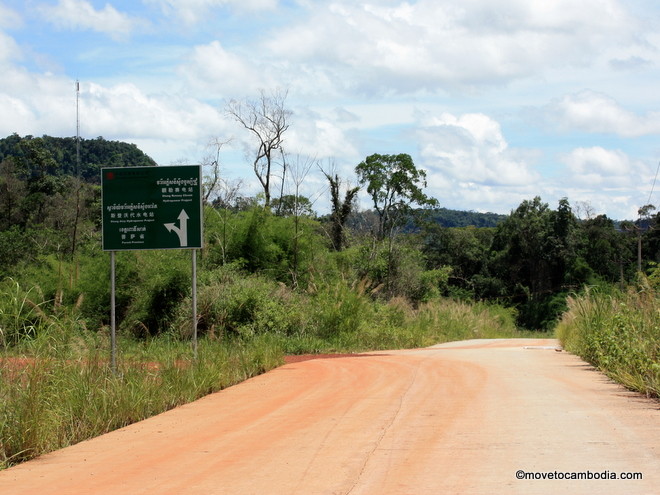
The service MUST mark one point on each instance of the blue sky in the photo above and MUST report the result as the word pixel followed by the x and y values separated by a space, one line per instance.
pixel 499 101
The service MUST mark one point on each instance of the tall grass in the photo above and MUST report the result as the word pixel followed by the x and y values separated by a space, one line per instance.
pixel 618 331
pixel 49 400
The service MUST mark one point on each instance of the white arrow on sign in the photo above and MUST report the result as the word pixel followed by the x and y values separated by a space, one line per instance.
pixel 182 229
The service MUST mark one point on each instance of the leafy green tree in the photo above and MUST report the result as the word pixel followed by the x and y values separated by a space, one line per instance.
pixel 466 250
pixel 606 249
pixel 536 251
pixel 642 224
pixel 291 205
pixel 394 184
pixel 651 240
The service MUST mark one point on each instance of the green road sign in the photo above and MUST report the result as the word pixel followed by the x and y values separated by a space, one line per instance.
pixel 152 207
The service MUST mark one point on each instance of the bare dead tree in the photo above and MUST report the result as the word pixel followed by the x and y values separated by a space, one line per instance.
pixel 584 210
pixel 267 119
pixel 213 182
pixel 299 169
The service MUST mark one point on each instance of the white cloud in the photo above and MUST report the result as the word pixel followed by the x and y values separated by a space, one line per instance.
pixel 315 136
pixel 194 11
pixel 9 49
pixel 600 167
pixel 9 18
pixel 471 149
pixel 124 110
pixel 36 104
pixel 81 14
pixel 46 104
pixel 218 72
pixel 429 45
pixel 598 113
pixel 469 162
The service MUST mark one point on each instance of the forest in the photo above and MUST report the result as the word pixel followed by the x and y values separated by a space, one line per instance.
pixel 529 261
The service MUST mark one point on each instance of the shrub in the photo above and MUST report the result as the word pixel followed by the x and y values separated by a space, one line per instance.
pixel 232 303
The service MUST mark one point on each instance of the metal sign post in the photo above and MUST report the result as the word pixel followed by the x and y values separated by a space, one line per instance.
pixel 194 301
pixel 152 208
pixel 113 319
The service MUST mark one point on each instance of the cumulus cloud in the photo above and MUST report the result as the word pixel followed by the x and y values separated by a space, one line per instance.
pixel 600 167
pixel 9 49
pixel 124 110
pixel 471 149
pixel 320 137
pixel 590 111
pixel 427 45
pixel 469 162
pixel 81 14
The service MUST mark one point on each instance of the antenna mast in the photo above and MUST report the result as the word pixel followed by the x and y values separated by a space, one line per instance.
pixel 78 183
pixel 77 129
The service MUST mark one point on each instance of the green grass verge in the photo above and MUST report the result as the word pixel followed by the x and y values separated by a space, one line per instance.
pixel 48 403
pixel 619 333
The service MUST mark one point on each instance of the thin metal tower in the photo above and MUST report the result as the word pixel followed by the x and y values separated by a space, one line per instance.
pixel 77 129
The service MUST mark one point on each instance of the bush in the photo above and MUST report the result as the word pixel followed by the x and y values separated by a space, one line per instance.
pixel 232 303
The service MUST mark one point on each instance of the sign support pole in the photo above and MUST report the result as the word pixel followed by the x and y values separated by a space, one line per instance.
pixel 113 319
pixel 194 300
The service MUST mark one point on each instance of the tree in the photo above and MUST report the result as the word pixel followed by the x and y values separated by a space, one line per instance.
pixel 341 210
pixel 643 223
pixel 291 205
pixel 267 119
pixel 213 183
pixel 12 190
pixel 466 251
pixel 605 249
pixel 536 251
pixel 394 183
pixel 652 241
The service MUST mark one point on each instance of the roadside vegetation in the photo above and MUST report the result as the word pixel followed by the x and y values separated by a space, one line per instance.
pixel 618 331
pixel 275 279
pixel 57 387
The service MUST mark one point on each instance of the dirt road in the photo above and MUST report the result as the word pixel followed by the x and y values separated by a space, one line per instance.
pixel 459 418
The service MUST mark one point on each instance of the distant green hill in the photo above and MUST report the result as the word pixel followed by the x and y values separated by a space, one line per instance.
pixel 458 218
pixel 94 154
pixel 364 221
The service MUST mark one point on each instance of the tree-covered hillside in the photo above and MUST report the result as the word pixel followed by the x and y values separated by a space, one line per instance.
pixel 28 151
pixel 46 204
pixel 456 218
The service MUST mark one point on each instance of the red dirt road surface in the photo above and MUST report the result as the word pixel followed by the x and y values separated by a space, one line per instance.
pixel 462 418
